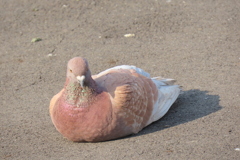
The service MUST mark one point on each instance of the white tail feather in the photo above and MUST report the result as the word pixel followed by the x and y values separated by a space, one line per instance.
pixel 167 94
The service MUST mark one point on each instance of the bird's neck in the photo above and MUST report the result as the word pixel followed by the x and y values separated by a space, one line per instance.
pixel 80 96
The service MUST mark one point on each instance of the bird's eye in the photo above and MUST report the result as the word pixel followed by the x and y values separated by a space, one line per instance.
pixel 70 70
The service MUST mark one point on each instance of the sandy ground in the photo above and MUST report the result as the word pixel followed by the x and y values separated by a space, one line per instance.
pixel 195 42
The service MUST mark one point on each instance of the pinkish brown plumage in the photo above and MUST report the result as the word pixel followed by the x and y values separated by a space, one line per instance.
pixel 115 103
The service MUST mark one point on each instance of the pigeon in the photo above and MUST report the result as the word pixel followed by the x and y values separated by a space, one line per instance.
pixel 117 102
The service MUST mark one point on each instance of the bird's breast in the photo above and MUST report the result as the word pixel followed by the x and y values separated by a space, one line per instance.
pixel 84 123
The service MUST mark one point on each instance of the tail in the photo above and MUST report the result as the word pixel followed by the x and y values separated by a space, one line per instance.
pixel 167 94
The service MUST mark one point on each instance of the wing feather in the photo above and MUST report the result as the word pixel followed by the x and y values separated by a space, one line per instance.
pixel 133 96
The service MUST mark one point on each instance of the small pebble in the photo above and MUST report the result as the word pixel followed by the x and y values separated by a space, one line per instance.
pixel 50 55
pixel 36 40
pixel 129 35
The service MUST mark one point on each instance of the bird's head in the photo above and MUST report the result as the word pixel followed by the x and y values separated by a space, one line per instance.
pixel 78 71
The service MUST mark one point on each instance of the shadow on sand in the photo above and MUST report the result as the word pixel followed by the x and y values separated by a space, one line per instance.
pixel 190 105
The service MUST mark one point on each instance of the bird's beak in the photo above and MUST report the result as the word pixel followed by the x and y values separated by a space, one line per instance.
pixel 81 80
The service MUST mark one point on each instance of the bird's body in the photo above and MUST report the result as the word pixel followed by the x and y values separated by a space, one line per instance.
pixel 114 103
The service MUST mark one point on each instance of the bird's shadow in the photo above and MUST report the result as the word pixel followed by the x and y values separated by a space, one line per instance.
pixel 189 106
